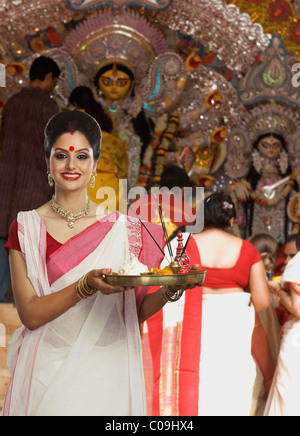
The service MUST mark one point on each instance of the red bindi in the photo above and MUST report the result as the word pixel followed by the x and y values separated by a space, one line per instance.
pixel 71 148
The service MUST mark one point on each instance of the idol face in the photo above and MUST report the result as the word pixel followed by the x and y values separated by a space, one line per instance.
pixel 115 85
pixel 270 147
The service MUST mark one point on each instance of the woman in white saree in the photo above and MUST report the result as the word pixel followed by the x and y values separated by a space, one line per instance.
pixel 283 399
pixel 79 350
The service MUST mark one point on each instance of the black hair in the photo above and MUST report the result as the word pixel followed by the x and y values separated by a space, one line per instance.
pixel 296 239
pixel 110 67
pixel 84 97
pixel 42 66
pixel 298 242
pixel 268 247
pixel 218 211
pixel 72 121
pixel 174 176
pixel 291 238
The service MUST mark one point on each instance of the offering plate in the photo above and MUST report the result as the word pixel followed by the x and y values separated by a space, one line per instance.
pixel 154 279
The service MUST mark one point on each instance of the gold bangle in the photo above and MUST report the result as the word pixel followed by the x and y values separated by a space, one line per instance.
pixel 83 290
pixel 168 296
pixel 163 294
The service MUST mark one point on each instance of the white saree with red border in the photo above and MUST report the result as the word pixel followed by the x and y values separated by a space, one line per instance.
pixel 284 396
pixel 88 361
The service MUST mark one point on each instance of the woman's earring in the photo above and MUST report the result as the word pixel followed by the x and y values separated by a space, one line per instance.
pixel 50 178
pixel 93 181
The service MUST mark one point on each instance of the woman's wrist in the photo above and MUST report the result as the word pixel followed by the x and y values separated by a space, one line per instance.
pixel 83 289
pixel 170 296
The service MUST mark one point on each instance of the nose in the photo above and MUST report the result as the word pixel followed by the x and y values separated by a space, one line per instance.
pixel 71 162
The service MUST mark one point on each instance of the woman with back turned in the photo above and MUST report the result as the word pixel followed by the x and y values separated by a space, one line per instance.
pixel 205 341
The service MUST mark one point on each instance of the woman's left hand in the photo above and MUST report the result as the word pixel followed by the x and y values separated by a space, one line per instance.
pixel 188 285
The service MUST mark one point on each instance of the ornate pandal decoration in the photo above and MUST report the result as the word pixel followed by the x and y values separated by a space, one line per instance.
pixel 70 216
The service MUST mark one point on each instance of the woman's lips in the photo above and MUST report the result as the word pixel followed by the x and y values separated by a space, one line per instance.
pixel 70 176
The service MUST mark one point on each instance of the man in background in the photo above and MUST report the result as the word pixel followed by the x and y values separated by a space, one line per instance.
pixel 289 250
pixel 286 252
pixel 23 172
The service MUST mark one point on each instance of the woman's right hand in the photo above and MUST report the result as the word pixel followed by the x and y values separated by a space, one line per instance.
pixel 97 279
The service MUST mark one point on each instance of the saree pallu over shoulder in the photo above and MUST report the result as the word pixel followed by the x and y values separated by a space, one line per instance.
pixel 87 361
pixel 172 348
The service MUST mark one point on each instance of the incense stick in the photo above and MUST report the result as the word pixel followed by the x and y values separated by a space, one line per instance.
pixel 146 229
pixel 164 228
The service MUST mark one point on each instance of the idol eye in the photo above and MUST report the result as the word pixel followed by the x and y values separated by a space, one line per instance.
pixel 107 82
pixel 122 82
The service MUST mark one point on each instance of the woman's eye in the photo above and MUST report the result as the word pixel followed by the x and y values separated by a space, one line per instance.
pixel 61 156
pixel 82 156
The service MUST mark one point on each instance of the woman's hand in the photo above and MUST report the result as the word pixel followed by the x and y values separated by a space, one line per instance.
pixel 274 287
pixel 96 279
pixel 154 301
pixel 186 286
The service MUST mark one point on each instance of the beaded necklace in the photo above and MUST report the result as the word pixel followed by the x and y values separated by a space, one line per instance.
pixel 69 215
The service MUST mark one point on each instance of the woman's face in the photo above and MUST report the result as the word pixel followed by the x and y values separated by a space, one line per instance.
pixel 270 147
pixel 114 85
pixel 71 161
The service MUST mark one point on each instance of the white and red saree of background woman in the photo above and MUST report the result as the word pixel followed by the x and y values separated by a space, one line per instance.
pixel 197 354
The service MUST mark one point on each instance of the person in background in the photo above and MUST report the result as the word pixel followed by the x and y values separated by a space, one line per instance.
pixel 266 333
pixel 283 399
pixel 286 252
pixel 267 247
pixel 201 349
pixel 290 250
pixel 22 161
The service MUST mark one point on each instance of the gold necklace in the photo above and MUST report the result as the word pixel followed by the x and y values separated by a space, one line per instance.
pixel 68 214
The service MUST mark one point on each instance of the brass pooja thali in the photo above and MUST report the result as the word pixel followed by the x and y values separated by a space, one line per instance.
pixel 154 279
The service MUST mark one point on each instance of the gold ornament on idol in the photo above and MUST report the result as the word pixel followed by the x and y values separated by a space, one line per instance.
pixel 71 216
